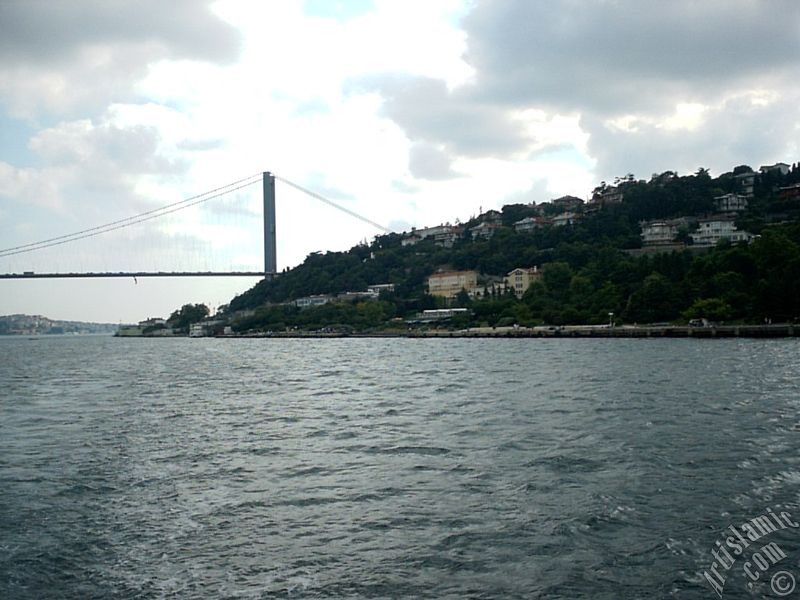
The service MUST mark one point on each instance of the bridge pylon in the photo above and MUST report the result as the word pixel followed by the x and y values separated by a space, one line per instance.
pixel 270 252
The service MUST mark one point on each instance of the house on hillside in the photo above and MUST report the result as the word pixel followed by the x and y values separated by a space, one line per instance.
pixel 745 182
pixel 410 240
pixel 484 230
pixel 491 216
pixel 491 287
pixel 789 192
pixel 657 233
pixel 568 203
pixel 447 284
pixel 607 196
pixel 713 229
pixel 442 235
pixel 521 279
pixel 780 167
pixel 567 218
pixel 532 223
pixel 730 203
pixel 315 300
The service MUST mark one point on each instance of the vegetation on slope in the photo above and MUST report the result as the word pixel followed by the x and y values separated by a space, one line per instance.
pixel 586 273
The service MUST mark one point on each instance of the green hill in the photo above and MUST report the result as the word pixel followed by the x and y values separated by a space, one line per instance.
pixel 593 266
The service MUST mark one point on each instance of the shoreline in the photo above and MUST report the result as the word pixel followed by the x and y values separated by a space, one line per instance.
pixel 567 331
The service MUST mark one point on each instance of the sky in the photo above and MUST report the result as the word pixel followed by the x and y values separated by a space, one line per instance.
pixel 409 112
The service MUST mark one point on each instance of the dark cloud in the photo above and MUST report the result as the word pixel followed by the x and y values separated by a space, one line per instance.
pixel 620 56
pixel 605 59
pixel 42 32
pixel 74 58
pixel 427 111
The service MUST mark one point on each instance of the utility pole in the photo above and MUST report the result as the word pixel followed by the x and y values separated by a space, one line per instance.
pixel 270 253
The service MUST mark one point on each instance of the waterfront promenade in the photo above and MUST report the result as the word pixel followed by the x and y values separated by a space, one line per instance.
pixel 567 331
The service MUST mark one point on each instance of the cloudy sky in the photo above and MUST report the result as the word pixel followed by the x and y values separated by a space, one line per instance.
pixel 410 112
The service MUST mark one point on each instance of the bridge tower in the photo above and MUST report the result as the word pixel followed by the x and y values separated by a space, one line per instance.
pixel 270 258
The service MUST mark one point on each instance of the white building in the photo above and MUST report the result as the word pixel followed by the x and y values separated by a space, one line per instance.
pixel 442 235
pixel 714 229
pixel 567 218
pixel 485 230
pixel 531 224
pixel 657 233
pixel 377 288
pixel 152 322
pixel 782 167
pixel 438 314
pixel 316 300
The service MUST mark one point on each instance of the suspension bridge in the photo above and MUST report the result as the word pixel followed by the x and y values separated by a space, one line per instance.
pixel 269 270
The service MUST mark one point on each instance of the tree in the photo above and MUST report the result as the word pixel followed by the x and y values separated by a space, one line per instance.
pixel 653 301
pixel 188 314
pixel 713 309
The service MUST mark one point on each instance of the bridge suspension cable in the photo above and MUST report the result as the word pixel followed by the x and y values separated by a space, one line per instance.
pixel 332 203
pixel 135 219
pixel 171 208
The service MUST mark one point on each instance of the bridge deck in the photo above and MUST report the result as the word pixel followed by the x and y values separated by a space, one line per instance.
pixel 32 275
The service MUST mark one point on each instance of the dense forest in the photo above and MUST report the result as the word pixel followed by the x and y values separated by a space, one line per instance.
pixel 590 268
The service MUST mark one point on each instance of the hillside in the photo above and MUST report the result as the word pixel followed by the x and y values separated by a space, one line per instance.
pixel 645 251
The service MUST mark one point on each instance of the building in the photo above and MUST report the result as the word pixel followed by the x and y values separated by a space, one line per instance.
pixel 485 230
pixel 410 240
pixel 316 300
pixel 152 322
pixel 745 183
pixel 447 284
pixel 783 168
pixel 567 218
pixel 714 229
pixel 656 233
pixel 568 203
pixel 447 238
pixel 438 314
pixel 730 203
pixel 442 235
pixel 531 224
pixel 607 196
pixel 352 296
pixel 129 331
pixel 492 287
pixel 790 192
pixel 492 216
pixel 520 279
pixel 376 289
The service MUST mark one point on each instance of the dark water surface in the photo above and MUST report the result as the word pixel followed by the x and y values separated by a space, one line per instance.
pixel 390 468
